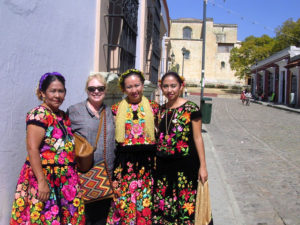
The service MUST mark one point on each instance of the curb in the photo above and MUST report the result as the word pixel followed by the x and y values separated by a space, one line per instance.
pixel 282 107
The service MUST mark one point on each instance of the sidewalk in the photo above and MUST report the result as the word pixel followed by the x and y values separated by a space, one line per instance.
pixel 276 105
pixel 225 209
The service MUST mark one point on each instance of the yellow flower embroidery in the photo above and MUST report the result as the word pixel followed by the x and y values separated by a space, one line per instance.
pixel 122 204
pixel 81 209
pixel 141 115
pixel 20 202
pixel 129 115
pixel 146 202
pixel 76 202
pixel 34 215
pixel 39 206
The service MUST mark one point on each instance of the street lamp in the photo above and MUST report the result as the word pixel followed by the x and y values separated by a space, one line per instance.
pixel 172 60
pixel 172 57
pixel 203 49
pixel 183 53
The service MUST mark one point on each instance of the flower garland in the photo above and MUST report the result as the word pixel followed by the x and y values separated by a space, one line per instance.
pixel 126 73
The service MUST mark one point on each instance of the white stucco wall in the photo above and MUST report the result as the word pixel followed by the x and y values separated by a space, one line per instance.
pixel 37 37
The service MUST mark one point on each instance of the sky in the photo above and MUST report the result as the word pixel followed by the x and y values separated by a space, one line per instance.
pixel 253 17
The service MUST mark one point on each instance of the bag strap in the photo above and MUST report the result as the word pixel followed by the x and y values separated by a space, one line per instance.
pixel 99 128
pixel 104 154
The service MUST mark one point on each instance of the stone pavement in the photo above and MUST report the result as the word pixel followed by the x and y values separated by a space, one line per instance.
pixel 253 160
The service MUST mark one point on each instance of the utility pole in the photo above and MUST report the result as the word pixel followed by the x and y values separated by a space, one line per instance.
pixel 183 54
pixel 203 48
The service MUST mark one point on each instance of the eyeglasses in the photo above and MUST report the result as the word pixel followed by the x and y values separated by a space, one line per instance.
pixel 93 89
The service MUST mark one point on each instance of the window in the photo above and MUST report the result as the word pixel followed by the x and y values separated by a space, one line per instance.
pixel 224 48
pixel 187 33
pixel 122 33
pixel 222 65
pixel 221 38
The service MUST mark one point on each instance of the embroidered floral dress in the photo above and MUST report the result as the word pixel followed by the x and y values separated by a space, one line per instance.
pixel 64 205
pixel 133 181
pixel 177 166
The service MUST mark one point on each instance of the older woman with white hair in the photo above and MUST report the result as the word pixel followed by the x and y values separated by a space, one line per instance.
pixel 85 117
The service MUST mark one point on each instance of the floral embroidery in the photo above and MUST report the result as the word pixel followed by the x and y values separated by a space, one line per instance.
pixel 132 180
pixel 177 140
pixel 179 206
pixel 57 159
pixel 135 123
pixel 134 197
pixel 177 167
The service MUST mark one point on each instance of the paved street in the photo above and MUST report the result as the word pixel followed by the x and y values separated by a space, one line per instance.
pixel 253 157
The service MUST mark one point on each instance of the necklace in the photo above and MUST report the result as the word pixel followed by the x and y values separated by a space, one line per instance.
pixel 168 125
pixel 62 127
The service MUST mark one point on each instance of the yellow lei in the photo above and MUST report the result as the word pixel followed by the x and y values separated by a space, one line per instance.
pixel 121 119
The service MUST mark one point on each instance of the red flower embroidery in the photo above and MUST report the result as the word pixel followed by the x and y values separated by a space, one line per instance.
pixel 181 144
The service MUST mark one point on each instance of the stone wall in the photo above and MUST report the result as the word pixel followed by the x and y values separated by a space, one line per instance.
pixel 224 34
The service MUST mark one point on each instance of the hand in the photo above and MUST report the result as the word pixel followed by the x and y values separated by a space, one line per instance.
pixel 202 175
pixel 43 191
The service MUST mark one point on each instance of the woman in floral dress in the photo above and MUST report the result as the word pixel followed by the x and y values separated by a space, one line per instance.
pixel 180 156
pixel 135 137
pixel 48 186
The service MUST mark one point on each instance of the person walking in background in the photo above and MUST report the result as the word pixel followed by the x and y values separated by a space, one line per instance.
pixel 247 97
pixel 85 118
pixel 180 163
pixel 243 97
pixel 48 187
pixel 135 118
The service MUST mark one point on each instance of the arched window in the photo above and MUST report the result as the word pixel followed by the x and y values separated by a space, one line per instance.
pixel 222 65
pixel 187 33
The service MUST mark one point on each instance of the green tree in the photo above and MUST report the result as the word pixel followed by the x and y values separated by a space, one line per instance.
pixel 174 68
pixel 286 35
pixel 251 50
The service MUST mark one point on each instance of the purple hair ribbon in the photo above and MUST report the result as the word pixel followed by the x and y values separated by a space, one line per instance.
pixel 46 75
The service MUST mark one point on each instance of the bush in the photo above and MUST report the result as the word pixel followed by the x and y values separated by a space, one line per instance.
pixel 221 86
pixel 210 86
pixel 192 85
pixel 236 87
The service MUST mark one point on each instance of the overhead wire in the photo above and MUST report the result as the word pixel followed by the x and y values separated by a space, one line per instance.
pixel 242 17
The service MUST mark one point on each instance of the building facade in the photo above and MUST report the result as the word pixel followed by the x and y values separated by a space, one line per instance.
pixel 75 39
pixel 277 78
pixel 186 39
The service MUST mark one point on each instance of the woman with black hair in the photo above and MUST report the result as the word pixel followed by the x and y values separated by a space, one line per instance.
pixel 180 162
pixel 48 186
pixel 135 118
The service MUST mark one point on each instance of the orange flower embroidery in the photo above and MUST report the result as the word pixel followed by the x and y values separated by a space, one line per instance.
pixel 189 207
pixel 186 116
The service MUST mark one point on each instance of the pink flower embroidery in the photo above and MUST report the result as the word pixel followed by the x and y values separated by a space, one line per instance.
pixel 161 204
pixel 61 160
pixel 133 186
pixel 136 129
pixel 54 210
pixel 69 192
pixel 116 216
pixel 57 133
pixel 134 107
pixel 48 215
pixel 55 222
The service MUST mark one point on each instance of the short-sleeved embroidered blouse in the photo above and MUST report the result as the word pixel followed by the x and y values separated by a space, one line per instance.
pixel 57 146
pixel 135 123
pixel 175 135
